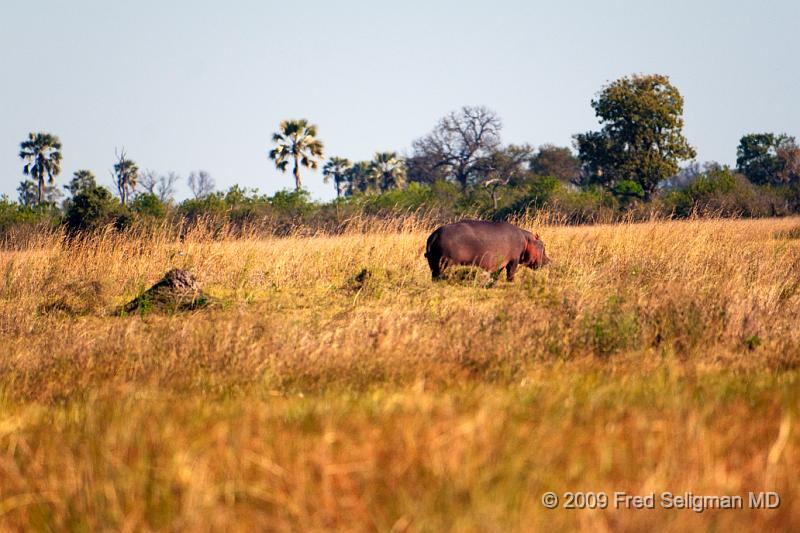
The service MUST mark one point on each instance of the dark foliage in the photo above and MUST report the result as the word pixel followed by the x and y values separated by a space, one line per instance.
pixel 93 208
pixel 768 159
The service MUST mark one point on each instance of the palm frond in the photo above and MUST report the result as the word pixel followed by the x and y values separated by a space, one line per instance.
pixel 296 140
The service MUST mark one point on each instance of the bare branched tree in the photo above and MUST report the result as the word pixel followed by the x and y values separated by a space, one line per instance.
pixel 148 179
pixel 165 189
pixel 162 186
pixel 459 144
pixel 201 183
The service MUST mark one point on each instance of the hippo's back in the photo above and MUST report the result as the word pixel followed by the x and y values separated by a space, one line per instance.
pixel 472 241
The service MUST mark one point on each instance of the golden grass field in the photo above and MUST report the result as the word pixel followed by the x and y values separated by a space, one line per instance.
pixel 336 387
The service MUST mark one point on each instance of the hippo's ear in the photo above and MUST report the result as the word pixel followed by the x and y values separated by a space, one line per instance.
pixel 537 236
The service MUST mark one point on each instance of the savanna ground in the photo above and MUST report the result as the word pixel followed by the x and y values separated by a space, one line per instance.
pixel 335 387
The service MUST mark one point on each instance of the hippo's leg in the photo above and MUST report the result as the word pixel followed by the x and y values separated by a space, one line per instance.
pixel 436 265
pixel 511 269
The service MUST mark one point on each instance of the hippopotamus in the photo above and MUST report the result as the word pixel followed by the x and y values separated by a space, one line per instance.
pixel 489 245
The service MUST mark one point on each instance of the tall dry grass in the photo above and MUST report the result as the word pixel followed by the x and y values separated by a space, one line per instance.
pixel 337 387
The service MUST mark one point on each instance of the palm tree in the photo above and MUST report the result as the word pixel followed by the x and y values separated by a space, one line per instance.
pixel 42 155
pixel 296 141
pixel 126 175
pixel 27 193
pixel 388 171
pixel 359 177
pixel 336 168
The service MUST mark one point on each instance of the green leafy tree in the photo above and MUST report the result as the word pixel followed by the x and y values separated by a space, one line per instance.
pixel 126 176
pixel 757 156
pixel 556 161
pixel 641 140
pixel 387 171
pixel 336 170
pixel 91 208
pixel 296 142
pixel 81 180
pixel 595 151
pixel 42 155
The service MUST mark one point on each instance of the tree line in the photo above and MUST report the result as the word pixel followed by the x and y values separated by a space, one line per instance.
pixel 633 160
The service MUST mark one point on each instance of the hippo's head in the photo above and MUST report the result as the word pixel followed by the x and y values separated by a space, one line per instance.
pixel 534 255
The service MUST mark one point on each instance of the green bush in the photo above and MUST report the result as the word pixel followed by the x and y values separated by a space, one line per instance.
pixel 584 206
pixel 92 208
pixel 723 192
pixel 628 189
pixel 291 202
pixel 195 208
pixel 13 215
pixel 439 196
pixel 148 204
pixel 529 195
pixel 718 191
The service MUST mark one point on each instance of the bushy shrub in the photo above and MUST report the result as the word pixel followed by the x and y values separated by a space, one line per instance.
pixel 723 192
pixel 439 196
pixel 627 190
pixel 149 205
pixel 291 202
pixel 530 195
pixel 584 206
pixel 92 208
pixel 194 208
pixel 13 214
pixel 714 190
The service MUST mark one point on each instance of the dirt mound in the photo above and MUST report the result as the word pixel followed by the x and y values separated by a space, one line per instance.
pixel 178 290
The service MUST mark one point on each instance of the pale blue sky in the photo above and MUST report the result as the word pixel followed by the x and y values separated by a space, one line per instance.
pixel 186 85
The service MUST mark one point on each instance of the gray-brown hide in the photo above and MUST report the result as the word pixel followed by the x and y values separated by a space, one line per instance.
pixel 489 245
